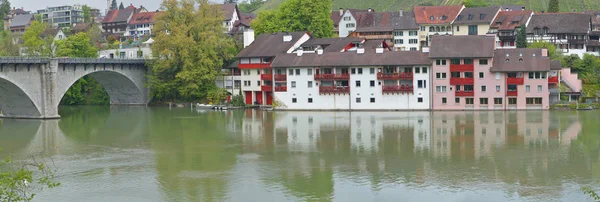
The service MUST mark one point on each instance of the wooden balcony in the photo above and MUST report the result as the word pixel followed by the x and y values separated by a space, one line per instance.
pixel 332 76
pixel 266 88
pixel 462 68
pixel 395 76
pixel 464 93
pixel 280 88
pixel 515 81
pixel 512 93
pixel 553 80
pixel 397 89
pixel 333 89
pixel 280 77
pixel 462 81
pixel 266 77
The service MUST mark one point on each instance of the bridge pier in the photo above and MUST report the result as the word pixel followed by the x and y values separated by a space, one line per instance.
pixel 49 95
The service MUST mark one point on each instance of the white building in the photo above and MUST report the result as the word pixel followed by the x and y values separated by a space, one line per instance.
pixel 140 24
pixel 569 32
pixel 346 21
pixel 231 15
pixel 141 51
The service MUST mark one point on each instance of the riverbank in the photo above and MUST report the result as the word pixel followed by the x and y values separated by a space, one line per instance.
pixel 575 106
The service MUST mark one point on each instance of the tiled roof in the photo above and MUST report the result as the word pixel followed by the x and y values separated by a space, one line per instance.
pixel 520 60
pixel 462 47
pixel 512 7
pixel 477 15
pixel 50 32
pixel 440 14
pixel 336 17
pixel 21 20
pixel 595 15
pixel 143 18
pixel 269 45
pixel 567 23
pixel 555 65
pixel 332 44
pixel 228 10
pixel 114 16
pixel 80 27
pixel 385 21
pixel 505 19
pixel 369 58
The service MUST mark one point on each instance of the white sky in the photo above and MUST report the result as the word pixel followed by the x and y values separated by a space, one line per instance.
pixel 34 5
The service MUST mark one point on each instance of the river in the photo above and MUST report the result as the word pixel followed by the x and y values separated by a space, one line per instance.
pixel 159 154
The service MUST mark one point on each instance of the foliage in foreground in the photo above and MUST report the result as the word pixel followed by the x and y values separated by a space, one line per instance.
pixel 19 183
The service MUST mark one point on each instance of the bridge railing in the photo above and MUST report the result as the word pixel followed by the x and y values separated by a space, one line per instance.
pixel 38 60
pixel 23 60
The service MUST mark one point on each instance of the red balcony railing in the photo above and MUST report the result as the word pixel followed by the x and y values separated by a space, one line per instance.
pixel 515 81
pixel 512 93
pixel 397 89
pixel 553 79
pixel 395 76
pixel 266 88
pixel 464 93
pixel 333 89
pixel 332 76
pixel 280 88
pixel 462 81
pixel 462 68
pixel 280 77
pixel 266 77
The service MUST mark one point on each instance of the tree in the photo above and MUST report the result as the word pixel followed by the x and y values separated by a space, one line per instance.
pixel 250 6
pixel 121 7
pixel 113 5
pixel 78 45
pixel 4 8
pixel 553 6
pixel 551 49
pixel 297 15
pixel 522 37
pixel 7 46
pixel 87 13
pixel 475 3
pixel 190 55
pixel 18 182
pixel 95 34
pixel 35 44
pixel 218 95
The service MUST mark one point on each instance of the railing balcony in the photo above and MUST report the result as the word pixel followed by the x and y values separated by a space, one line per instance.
pixel 462 68
pixel 332 76
pixel 334 89
pixel 266 88
pixel 515 81
pixel 266 77
pixel 462 81
pixel 280 77
pixel 395 76
pixel 280 88
pixel 513 93
pixel 464 93
pixel 553 79
pixel 576 41
pixel 397 89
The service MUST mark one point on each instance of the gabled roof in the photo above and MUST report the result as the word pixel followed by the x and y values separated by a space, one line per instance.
pixel 505 19
pixel 332 44
pixel 143 18
pixel 566 23
pixel 520 60
pixel 477 15
pixel 21 20
pixel 336 17
pixel 439 14
pixel 595 15
pixel 228 10
pixel 269 45
pixel 80 27
pixel 115 16
pixel 385 21
pixel 51 32
pixel 462 47
pixel 368 58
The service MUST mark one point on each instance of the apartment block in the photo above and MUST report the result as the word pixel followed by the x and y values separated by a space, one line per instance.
pixel 62 16
pixel 475 21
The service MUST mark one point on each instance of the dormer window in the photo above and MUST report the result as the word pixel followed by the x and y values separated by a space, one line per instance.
pixel 470 17
pixel 444 17
pixel 481 16
pixel 520 59
pixel 537 31
pixel 459 18
pixel 431 29
pixel 431 18
pixel 545 31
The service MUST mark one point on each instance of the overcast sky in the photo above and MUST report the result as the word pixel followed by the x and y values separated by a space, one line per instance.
pixel 34 5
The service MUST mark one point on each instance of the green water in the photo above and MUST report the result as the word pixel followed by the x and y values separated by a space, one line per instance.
pixel 160 154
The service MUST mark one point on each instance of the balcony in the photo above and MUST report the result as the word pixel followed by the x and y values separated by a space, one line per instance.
pixel 464 93
pixel 266 77
pixel 395 76
pixel 332 76
pixel 397 89
pixel 280 88
pixel 333 89
pixel 576 41
pixel 515 81
pixel 462 68
pixel 513 93
pixel 280 77
pixel 506 36
pixel 266 88
pixel 462 81
pixel 553 80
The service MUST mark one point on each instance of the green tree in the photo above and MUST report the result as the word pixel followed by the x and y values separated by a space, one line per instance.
pixel 121 7
pixel 522 37
pixel 475 3
pixel 35 44
pixel 297 15
pixel 18 182
pixel 553 6
pixel 87 13
pixel 250 6
pixel 217 95
pixel 7 47
pixel 588 69
pixel 95 34
pixel 4 8
pixel 78 45
pixel 113 5
pixel 190 55
pixel 551 49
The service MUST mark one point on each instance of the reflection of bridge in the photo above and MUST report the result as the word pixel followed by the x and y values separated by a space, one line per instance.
pixel 33 87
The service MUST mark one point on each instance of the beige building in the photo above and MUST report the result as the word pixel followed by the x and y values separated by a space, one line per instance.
pixel 474 21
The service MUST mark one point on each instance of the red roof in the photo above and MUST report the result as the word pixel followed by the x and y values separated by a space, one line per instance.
pixel 143 18
pixel 436 14
pixel 504 20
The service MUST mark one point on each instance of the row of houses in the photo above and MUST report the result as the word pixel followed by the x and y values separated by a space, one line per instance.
pixel 295 71
pixel 572 33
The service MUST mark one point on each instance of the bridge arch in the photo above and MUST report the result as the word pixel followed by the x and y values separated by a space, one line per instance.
pixel 16 102
pixel 122 89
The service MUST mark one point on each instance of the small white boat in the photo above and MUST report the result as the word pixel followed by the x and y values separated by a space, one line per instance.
pixel 203 106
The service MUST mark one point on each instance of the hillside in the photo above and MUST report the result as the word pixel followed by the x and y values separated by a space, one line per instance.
pixel 393 5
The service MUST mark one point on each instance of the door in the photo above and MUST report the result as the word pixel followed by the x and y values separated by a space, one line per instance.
pixel 259 98
pixel 248 95
pixel 269 98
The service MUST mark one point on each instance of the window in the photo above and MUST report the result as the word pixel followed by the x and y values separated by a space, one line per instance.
pixel 443 62
pixel 258 72
pixel 457 100
pixel 468 61
pixel 472 30
pixel 293 84
pixel 372 83
pixel 497 76
pixel 497 88
pixel 424 71
pixel 412 33
pixel 443 75
pixel 527 88
pixel 417 70
pixel 294 100
pixel 483 61
pixel 309 72
pixel 481 75
pixel 371 70
pixel 455 61
pixel 357 100
pixel 310 100
pixel 422 84
pixel 438 89
pixel 420 100
pixel 422 28
pixel 498 101
pixel 438 75
pixel 353 70
pixel 360 70
pixel 511 87
pixel 357 83
pixel 297 71
pixel 257 83
pixel 468 74
pixel 469 101
pixel 372 100
pixel 512 101
pixel 399 33
pixel 440 62
pixel 398 41
pixel 431 29
pixel 537 75
pixel 437 62
pixel 443 89
pixel 468 88
pixel 483 88
pixel 347 18
pixel 539 88
pixel 291 72
pixel 458 28
pixel 444 101
pixel 350 25
pixel 533 101
pixel 413 41
pixel 483 101
pixel 309 84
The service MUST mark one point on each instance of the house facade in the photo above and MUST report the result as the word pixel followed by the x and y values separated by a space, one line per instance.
pixel 593 43
pixel 140 25
pixel 62 16
pixel 435 20
pixel 475 21
pixel 11 15
pixel 567 31
pixel 346 20
pixel 506 26
pixel 231 14
pixel 397 28
pixel 116 21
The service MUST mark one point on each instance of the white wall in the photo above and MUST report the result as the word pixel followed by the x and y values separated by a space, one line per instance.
pixel 130 53
pixel 405 46
pixel 342 25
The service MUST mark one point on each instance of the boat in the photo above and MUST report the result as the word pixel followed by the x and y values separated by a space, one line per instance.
pixel 204 106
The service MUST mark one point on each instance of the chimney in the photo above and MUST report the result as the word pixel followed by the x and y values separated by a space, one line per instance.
pixel 320 51
pixel 370 10
pixel 360 51
pixel 544 52
pixel 401 12
pixel 299 52
pixel 341 11
pixel 379 50
pixel 248 37
pixel 287 37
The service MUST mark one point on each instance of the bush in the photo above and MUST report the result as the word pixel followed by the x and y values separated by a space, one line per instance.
pixel 238 100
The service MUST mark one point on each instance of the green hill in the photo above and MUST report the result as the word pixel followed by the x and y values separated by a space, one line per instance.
pixel 393 5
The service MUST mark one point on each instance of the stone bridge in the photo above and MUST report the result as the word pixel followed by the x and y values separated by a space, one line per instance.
pixel 33 87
